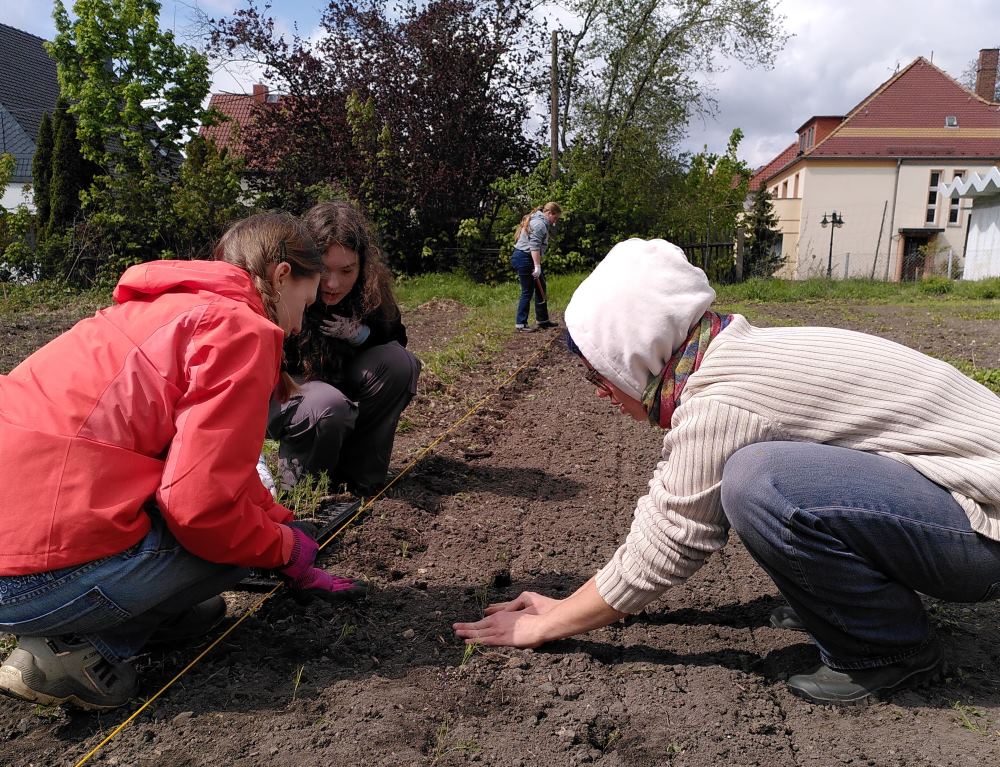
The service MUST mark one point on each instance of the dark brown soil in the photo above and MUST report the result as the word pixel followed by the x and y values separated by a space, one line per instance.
pixel 533 491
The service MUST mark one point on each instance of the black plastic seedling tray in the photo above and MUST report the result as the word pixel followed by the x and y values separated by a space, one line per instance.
pixel 330 520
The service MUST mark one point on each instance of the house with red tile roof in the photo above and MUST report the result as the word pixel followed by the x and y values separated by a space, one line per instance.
pixel 237 109
pixel 879 168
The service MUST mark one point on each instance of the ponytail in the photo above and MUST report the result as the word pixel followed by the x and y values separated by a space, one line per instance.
pixel 256 244
pixel 549 207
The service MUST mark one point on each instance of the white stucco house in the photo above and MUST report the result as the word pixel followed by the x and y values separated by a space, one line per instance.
pixel 880 168
pixel 982 245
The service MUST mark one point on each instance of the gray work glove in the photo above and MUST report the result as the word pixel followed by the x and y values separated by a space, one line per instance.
pixel 352 331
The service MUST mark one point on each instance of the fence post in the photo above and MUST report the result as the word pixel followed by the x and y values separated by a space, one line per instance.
pixel 951 254
pixel 741 241
pixel 847 264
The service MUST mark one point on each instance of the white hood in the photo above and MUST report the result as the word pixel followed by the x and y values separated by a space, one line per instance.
pixel 635 309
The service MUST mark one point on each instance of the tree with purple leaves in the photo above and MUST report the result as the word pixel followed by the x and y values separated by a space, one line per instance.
pixel 411 108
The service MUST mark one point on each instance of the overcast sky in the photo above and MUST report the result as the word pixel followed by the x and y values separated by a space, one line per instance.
pixel 839 52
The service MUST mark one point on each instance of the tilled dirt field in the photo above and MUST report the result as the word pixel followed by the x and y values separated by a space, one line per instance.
pixel 533 491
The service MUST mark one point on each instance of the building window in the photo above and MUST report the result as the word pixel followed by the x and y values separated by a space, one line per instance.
pixel 807 138
pixel 932 197
pixel 784 188
pixel 796 192
pixel 955 203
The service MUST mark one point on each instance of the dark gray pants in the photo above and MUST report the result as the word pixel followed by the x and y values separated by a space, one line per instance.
pixel 347 433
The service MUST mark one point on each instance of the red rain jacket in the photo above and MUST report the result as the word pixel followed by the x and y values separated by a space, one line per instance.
pixel 162 394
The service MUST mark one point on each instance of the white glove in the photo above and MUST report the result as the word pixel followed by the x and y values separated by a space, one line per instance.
pixel 352 331
pixel 265 476
pixel 537 271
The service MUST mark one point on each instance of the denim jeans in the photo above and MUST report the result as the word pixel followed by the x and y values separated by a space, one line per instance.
pixel 851 539
pixel 523 265
pixel 115 603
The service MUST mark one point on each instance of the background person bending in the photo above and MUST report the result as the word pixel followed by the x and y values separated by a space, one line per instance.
pixel 137 432
pixel 356 374
pixel 857 472
pixel 529 247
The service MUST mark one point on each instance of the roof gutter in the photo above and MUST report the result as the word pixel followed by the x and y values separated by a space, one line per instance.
pixel 892 219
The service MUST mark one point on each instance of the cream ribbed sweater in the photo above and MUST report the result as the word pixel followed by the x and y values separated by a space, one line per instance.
pixel 821 385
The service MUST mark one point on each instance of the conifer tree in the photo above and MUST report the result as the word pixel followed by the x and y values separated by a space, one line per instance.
pixel 763 259
pixel 70 172
pixel 41 171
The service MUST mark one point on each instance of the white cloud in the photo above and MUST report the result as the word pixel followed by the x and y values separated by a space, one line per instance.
pixel 839 52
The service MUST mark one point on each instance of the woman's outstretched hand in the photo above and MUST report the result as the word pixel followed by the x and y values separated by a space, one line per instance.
pixel 511 624
pixel 532 619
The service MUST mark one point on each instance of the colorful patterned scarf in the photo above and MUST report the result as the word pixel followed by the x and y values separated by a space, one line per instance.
pixel 663 392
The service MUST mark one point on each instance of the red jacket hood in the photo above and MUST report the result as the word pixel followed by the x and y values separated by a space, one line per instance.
pixel 158 277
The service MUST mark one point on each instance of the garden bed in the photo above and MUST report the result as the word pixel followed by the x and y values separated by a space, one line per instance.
pixel 533 491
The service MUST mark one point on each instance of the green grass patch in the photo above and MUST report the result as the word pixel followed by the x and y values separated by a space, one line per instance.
pixel 489 319
pixel 869 291
pixel 50 296
pixel 988 377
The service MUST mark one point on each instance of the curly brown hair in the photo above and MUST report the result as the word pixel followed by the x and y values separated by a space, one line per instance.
pixel 340 223
pixel 370 301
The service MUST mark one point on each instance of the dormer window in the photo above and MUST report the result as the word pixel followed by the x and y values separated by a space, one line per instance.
pixel 807 138
pixel 951 121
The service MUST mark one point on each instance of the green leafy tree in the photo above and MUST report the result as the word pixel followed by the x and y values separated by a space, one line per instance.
pixel 708 198
pixel 136 94
pixel 206 198
pixel 41 170
pixel 762 257
pixel 16 227
pixel 7 163
pixel 630 82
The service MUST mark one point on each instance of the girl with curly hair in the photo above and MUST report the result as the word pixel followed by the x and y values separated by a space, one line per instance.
pixel 354 373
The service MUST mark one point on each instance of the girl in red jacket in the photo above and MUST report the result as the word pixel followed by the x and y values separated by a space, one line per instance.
pixel 137 433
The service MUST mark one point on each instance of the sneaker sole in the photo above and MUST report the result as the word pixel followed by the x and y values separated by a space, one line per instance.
pixel 13 686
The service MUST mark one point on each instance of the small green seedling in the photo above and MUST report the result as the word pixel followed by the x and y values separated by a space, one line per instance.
pixel 297 680
pixel 467 654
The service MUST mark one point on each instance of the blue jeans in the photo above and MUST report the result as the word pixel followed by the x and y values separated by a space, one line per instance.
pixel 851 539
pixel 523 265
pixel 115 603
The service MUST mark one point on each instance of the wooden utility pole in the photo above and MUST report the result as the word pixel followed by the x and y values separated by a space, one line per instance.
pixel 554 108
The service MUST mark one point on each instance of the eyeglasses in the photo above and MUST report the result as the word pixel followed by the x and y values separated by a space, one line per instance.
pixel 594 378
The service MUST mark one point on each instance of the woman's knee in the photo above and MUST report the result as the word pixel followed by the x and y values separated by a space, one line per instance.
pixel 387 370
pixel 324 407
pixel 749 483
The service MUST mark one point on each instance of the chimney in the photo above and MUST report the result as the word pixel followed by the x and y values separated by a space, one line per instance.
pixel 986 73
pixel 260 91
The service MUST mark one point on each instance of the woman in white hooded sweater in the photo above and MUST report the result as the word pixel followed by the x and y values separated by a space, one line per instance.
pixel 859 474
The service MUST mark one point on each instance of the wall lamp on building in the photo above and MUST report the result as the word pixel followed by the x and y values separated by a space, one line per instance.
pixel 835 220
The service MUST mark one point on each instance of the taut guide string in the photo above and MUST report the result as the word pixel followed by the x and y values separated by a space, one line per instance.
pixel 364 507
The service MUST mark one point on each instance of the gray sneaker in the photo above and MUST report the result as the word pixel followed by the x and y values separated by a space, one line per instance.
pixel 51 671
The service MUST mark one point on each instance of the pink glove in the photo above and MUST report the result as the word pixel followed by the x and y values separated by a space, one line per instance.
pixel 308 580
